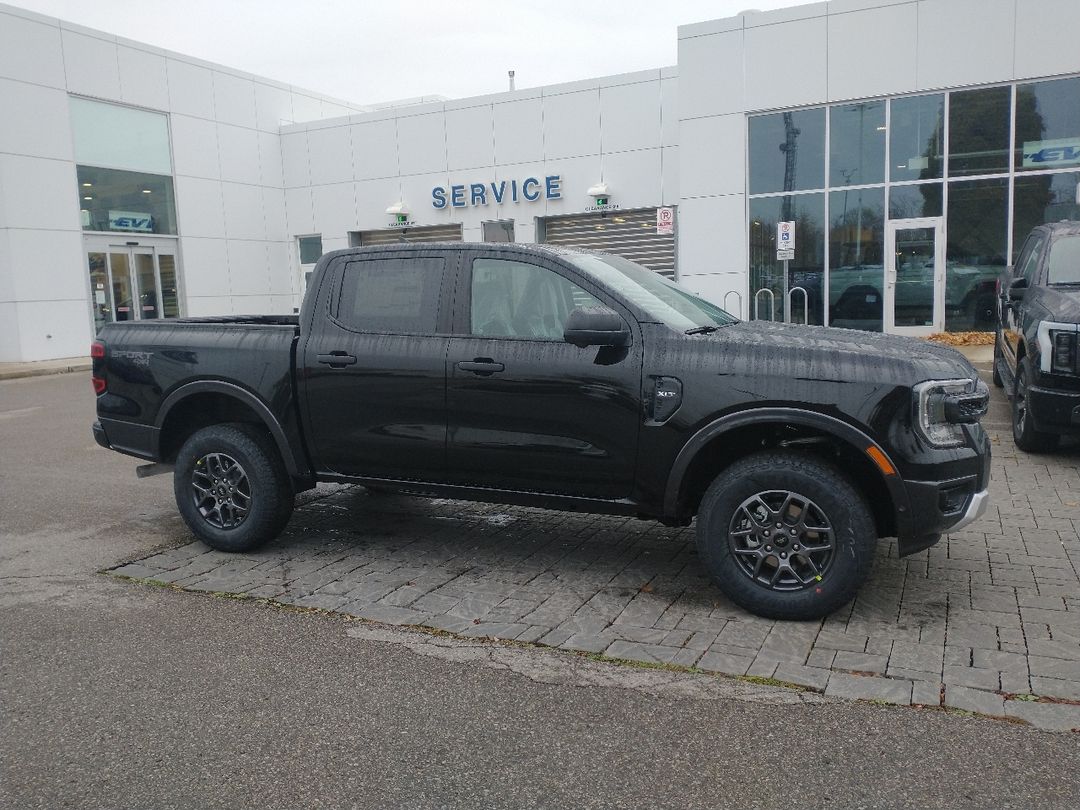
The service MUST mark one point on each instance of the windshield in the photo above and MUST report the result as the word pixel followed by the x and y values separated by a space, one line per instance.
pixel 1064 264
pixel 661 299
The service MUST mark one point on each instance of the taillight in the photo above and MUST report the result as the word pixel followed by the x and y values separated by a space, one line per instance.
pixel 97 354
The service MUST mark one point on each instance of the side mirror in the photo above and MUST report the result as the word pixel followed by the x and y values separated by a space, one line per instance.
pixel 595 326
pixel 1017 288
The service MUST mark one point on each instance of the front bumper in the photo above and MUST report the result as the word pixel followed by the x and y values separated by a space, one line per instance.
pixel 1054 410
pixel 975 510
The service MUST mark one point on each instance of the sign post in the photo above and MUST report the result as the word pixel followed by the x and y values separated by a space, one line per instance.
pixel 785 252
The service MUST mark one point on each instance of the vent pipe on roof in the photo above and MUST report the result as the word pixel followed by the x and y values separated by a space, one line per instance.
pixel 511 81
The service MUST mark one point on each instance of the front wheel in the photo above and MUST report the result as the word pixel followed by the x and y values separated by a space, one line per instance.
pixel 1025 435
pixel 231 487
pixel 786 535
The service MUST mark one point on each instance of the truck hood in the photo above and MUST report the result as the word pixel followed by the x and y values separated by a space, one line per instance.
pixel 833 355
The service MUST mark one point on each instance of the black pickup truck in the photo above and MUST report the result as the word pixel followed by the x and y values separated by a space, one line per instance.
pixel 1036 351
pixel 569 380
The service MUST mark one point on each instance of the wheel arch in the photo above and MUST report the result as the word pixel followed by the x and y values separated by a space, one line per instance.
pixel 209 402
pixel 734 436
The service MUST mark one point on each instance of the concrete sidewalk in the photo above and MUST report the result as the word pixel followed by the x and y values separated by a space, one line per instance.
pixel 41 368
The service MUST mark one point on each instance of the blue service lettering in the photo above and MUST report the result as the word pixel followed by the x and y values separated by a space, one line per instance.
pixel 525 189
pixel 460 196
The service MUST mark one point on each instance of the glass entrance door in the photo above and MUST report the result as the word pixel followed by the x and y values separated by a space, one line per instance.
pixel 914 277
pixel 132 282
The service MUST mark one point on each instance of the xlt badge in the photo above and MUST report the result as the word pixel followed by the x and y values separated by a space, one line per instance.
pixel 666 398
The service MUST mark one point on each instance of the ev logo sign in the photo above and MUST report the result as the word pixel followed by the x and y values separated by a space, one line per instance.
pixel 1048 154
pixel 130 221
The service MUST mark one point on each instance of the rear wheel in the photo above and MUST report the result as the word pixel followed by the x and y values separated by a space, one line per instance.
pixel 1025 435
pixel 786 535
pixel 231 487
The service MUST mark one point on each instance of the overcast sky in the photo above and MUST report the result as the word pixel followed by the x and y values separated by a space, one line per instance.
pixel 368 51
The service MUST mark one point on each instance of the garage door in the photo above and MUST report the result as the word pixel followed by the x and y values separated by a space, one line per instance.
pixel 393 236
pixel 630 234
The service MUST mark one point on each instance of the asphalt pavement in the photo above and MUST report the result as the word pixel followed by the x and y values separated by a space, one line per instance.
pixel 116 694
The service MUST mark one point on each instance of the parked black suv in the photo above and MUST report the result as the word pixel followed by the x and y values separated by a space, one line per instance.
pixel 531 375
pixel 1036 356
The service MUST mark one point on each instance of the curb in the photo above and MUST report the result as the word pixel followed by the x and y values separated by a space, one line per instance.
pixel 31 371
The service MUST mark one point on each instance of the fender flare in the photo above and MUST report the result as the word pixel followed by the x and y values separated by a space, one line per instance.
pixel 260 408
pixel 842 430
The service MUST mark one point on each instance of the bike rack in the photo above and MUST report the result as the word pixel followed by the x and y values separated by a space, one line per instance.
pixel 806 303
pixel 738 296
pixel 772 302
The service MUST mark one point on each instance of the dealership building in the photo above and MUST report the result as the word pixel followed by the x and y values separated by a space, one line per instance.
pixel 872 164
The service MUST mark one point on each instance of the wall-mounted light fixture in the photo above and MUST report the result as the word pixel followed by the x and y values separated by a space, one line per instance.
pixel 600 193
pixel 399 211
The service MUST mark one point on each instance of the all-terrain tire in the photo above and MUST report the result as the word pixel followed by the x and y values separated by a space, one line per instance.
pixel 821 491
pixel 232 464
pixel 1025 435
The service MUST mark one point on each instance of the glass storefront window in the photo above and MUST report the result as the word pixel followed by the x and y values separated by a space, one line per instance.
pixel 120 137
pixel 114 200
pixel 806 269
pixel 857 143
pixel 916 137
pixel 914 201
pixel 976 249
pixel 787 151
pixel 979 131
pixel 856 265
pixel 310 249
pixel 1042 198
pixel 1048 125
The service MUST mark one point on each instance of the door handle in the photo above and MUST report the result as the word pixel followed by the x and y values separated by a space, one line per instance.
pixel 338 359
pixel 482 366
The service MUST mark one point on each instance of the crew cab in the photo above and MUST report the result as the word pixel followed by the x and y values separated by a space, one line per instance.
pixel 561 379
pixel 1036 352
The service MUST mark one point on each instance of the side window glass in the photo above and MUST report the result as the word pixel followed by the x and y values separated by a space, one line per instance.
pixel 391 296
pixel 1030 261
pixel 515 299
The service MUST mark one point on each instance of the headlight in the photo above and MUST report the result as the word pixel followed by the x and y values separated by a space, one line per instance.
pixel 942 406
pixel 1063 355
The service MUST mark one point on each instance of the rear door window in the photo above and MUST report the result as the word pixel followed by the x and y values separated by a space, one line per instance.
pixel 391 296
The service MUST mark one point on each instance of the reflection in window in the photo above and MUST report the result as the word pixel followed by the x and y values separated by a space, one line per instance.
pixel 914 201
pixel 114 200
pixel 857 143
pixel 979 131
pixel 391 296
pixel 916 138
pixel 310 249
pixel 1048 124
pixel 975 252
pixel 856 247
pixel 515 299
pixel 1063 266
pixel 787 151
pixel 766 273
pixel 1042 198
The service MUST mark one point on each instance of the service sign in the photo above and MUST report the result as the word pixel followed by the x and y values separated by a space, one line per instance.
pixel 1051 154
pixel 130 221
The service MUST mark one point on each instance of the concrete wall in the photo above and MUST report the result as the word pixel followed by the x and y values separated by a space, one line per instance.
pixel 340 176
pixel 826 52
pixel 227 165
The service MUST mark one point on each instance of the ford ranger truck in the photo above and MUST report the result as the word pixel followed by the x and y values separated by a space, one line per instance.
pixel 567 380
